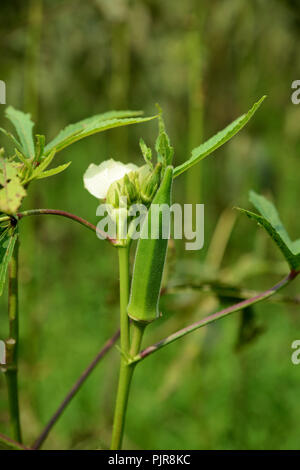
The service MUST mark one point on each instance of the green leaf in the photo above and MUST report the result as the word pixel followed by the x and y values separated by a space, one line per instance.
pixel 269 212
pixel 23 125
pixel 11 196
pixel 8 171
pixel 41 167
pixel 46 161
pixel 12 191
pixel 53 171
pixel 6 250
pixel 270 221
pixel 101 122
pixel 217 140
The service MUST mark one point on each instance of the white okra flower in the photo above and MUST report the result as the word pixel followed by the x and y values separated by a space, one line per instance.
pixel 98 178
pixel 123 186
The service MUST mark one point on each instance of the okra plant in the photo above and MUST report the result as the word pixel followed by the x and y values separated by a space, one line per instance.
pixel 29 161
pixel 121 187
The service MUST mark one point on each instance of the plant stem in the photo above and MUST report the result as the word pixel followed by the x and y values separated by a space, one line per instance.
pixel 68 215
pixel 12 388
pixel 226 292
pixel 137 336
pixel 215 316
pixel 125 378
pixel 125 373
pixel 126 370
pixel 12 346
pixel 8 444
pixel 123 253
pixel 76 387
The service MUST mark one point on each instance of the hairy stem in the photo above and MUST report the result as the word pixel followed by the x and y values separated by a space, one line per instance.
pixel 216 316
pixel 12 346
pixel 76 387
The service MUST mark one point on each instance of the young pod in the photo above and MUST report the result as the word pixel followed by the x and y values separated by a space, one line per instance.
pixel 151 254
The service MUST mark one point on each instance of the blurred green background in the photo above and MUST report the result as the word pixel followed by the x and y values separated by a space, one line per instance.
pixel 231 385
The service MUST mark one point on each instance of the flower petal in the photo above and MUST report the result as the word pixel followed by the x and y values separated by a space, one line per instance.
pixel 98 178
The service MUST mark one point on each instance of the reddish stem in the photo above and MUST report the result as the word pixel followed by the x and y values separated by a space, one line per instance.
pixel 68 215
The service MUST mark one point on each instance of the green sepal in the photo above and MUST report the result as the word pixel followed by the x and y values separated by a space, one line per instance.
pixel 39 147
pixel 146 151
pixel 165 151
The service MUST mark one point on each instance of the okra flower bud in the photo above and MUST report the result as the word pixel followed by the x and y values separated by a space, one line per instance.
pixel 130 190
pixel 120 191
pixel 150 183
pixel 114 194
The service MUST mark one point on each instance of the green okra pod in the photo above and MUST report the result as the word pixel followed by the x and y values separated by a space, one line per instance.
pixel 151 254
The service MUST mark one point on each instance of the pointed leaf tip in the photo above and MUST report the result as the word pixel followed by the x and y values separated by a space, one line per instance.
pixel 219 139
pixel 269 219
pixel 24 126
